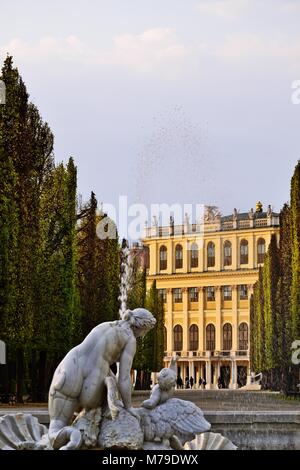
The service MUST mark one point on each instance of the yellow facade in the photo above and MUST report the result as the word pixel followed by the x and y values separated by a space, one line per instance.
pixel 207 289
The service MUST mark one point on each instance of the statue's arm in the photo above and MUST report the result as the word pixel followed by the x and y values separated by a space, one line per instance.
pixel 154 398
pixel 124 383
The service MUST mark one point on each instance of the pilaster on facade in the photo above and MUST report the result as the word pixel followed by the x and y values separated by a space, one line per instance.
pixel 218 317
pixel 170 257
pixel 251 251
pixel 185 345
pixel 234 264
pixel 235 328
pixel 153 259
pixel 169 320
pixel 201 318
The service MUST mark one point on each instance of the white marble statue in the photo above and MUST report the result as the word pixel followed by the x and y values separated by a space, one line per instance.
pixel 165 387
pixel 165 422
pixel 83 383
pixel 80 380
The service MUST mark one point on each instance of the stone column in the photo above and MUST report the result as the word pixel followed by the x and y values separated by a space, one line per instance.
pixel 192 370
pixel 218 318
pixel 208 375
pixel 169 321
pixel 201 319
pixel 218 370
pixel 234 318
pixel 185 346
pixel 233 377
pixel 215 376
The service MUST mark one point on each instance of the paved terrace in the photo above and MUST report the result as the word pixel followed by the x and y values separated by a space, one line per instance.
pixel 208 400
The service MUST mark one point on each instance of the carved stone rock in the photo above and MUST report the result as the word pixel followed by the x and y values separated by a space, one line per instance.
pixel 122 433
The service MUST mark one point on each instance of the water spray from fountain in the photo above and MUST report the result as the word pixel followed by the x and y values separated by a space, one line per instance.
pixel 125 277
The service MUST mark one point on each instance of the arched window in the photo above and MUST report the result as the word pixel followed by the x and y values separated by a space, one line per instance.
pixel 243 336
pixel 165 338
pixel 261 250
pixel 194 338
pixel 178 338
pixel 178 257
pixel 227 337
pixel 211 259
pixel 194 255
pixel 227 254
pixel 210 337
pixel 162 258
pixel 244 252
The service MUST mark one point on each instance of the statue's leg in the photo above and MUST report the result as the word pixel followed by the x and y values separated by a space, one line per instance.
pixel 61 435
pixel 114 404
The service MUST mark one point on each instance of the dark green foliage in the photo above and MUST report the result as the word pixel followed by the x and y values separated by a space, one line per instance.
pixel 270 283
pixel 295 243
pixel 98 270
pixel 275 306
pixel 41 313
pixel 150 348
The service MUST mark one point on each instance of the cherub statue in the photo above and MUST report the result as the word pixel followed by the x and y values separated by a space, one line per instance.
pixel 82 379
pixel 165 387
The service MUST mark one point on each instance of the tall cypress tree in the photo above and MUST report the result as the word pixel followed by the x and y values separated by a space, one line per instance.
pixel 295 241
pixel 98 274
pixel 257 326
pixel 271 271
pixel 284 298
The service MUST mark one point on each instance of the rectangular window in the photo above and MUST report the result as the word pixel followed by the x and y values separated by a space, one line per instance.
pixel 163 294
pixel 177 296
pixel 227 293
pixel 243 292
pixel 193 294
pixel 210 294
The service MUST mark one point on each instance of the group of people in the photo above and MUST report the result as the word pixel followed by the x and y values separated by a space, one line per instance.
pixel 190 383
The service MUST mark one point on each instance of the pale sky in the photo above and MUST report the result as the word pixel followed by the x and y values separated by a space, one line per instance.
pixel 165 101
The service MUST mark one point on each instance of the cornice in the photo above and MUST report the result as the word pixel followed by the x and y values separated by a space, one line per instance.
pixel 204 274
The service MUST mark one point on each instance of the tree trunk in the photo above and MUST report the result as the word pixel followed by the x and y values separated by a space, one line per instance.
pixel 42 392
pixel 33 377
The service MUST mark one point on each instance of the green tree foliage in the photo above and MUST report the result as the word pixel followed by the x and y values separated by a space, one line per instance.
pixel 98 269
pixel 43 258
pixel 270 282
pixel 295 242
pixel 150 348
pixel 275 307
pixel 257 327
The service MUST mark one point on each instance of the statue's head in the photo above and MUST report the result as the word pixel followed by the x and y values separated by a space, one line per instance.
pixel 140 319
pixel 166 379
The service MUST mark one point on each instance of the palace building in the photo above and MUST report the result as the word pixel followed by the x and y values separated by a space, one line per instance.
pixel 205 274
